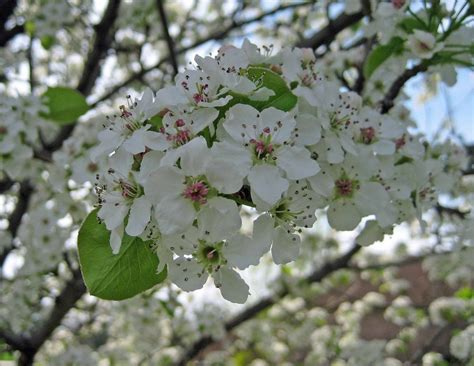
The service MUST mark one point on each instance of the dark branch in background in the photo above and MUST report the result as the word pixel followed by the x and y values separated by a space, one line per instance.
pixel 215 36
pixel 104 34
pixel 14 221
pixel 451 211
pixel 6 184
pixel 169 41
pixel 7 7
pixel 29 345
pixel 265 303
pixel 70 294
pixel 326 35
pixel 388 101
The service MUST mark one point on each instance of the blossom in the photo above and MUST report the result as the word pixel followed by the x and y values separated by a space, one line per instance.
pixel 122 196
pixel 261 143
pixel 200 253
pixel 423 44
pixel 129 129
pixel 177 194
pixel 337 112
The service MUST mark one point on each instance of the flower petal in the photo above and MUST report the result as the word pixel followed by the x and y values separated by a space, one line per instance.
pixel 266 181
pixel 187 274
pixel 139 216
pixel 286 246
pixel 343 215
pixel 174 215
pixel 296 162
pixel 233 288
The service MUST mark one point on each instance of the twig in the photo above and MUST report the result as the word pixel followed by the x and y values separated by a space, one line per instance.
pixel 103 39
pixel 389 100
pixel 14 221
pixel 169 40
pixel 217 35
pixel 326 35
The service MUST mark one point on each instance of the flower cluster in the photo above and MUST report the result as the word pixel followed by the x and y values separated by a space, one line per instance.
pixel 250 127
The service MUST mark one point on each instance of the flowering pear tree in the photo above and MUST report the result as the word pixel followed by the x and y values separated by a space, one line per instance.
pixel 126 176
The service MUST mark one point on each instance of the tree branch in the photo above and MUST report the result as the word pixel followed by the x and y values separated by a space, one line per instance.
pixel 169 40
pixel 388 101
pixel 65 301
pixel 7 8
pixel 326 35
pixel 265 303
pixel 103 38
pixel 14 221
pixel 217 35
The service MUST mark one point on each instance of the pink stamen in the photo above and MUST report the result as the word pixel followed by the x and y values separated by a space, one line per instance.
pixel 400 142
pixel 196 192
pixel 344 187
pixel 180 123
pixel 398 3
pixel 368 134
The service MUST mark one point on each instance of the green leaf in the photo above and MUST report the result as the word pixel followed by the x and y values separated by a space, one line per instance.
pixel 65 105
pixel 47 42
pixel 465 293
pixel 283 99
pixel 7 356
pixel 380 54
pixel 115 276
pixel 409 24
pixel 156 121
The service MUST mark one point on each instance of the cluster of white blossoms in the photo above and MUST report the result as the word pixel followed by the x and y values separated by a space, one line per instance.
pixel 16 133
pixel 265 130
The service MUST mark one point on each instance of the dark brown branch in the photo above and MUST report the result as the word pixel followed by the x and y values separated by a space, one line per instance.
pixel 7 8
pixel 104 35
pixel 388 101
pixel 65 301
pixel 6 184
pixel 326 35
pixel 217 35
pixel 265 303
pixel 450 211
pixel 169 40
pixel 14 221
pixel 7 35
pixel 29 346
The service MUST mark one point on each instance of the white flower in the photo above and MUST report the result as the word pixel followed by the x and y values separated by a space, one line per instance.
pixel 336 112
pixel 299 66
pixel 201 252
pixel 423 44
pixel 195 89
pixel 129 129
pixel 294 211
pixel 266 154
pixel 123 196
pixel 178 194
pixel 376 132
pixel 179 128
pixel 352 194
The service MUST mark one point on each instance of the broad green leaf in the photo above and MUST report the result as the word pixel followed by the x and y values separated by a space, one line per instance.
pixel 380 54
pixel 65 105
pixel 115 276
